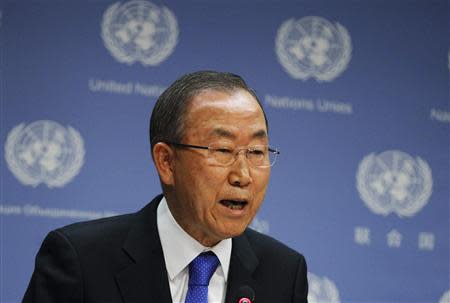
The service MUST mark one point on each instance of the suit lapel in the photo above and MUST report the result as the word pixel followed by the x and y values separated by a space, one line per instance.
pixel 145 277
pixel 242 265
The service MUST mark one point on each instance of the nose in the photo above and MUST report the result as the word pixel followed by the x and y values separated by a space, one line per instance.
pixel 240 172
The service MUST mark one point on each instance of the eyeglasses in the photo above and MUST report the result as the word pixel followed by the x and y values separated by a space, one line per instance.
pixel 220 154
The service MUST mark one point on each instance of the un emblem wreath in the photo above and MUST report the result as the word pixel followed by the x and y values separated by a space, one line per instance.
pixel 139 31
pixel 322 289
pixel 44 152
pixel 445 297
pixel 313 47
pixel 395 182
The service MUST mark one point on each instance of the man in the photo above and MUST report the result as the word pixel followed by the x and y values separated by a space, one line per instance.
pixel 209 142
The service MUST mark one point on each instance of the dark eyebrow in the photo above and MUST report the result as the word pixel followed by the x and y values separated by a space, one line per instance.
pixel 260 134
pixel 227 134
pixel 223 133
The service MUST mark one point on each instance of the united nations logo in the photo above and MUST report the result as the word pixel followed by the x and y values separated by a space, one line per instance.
pixel 445 297
pixel 313 47
pixel 139 31
pixel 394 182
pixel 44 152
pixel 322 290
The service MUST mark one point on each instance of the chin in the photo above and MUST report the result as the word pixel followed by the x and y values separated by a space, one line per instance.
pixel 234 232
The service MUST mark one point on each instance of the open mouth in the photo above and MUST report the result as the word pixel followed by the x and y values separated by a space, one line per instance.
pixel 234 204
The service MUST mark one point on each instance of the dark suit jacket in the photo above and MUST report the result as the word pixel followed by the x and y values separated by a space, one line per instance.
pixel 120 259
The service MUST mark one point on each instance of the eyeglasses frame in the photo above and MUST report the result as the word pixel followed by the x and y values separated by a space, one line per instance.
pixel 274 151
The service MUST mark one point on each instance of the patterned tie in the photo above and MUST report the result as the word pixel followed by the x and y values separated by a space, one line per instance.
pixel 201 270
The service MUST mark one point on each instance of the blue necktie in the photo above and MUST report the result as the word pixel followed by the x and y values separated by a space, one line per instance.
pixel 201 270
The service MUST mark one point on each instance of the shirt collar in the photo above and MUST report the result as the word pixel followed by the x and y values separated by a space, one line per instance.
pixel 173 237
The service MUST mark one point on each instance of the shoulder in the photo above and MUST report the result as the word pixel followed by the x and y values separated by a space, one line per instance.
pixel 107 232
pixel 97 232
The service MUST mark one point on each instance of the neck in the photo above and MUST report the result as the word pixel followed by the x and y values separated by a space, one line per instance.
pixel 191 228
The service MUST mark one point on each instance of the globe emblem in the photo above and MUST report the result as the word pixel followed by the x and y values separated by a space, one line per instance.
pixel 44 152
pixel 322 290
pixel 139 31
pixel 445 297
pixel 394 182
pixel 313 47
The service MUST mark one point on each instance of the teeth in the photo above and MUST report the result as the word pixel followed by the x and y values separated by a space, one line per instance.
pixel 237 206
pixel 233 204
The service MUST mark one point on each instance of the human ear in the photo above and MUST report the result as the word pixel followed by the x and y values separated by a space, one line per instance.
pixel 163 156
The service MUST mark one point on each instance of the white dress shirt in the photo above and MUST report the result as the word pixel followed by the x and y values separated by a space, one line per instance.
pixel 179 249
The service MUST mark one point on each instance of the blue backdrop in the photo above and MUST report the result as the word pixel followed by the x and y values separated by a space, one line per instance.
pixel 357 96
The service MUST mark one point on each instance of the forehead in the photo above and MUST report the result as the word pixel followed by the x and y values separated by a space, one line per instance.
pixel 221 113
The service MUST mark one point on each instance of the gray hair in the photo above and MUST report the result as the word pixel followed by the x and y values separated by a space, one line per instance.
pixel 166 122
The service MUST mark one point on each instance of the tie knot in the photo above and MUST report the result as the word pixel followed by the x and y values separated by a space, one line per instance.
pixel 202 268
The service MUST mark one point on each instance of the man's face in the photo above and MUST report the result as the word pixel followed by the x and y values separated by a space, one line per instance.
pixel 213 202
